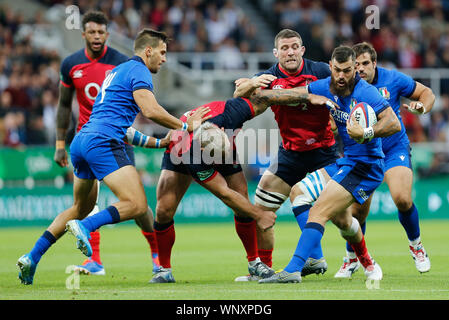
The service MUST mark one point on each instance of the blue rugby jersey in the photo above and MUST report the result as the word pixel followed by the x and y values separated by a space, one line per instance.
pixel 363 92
pixel 393 85
pixel 115 110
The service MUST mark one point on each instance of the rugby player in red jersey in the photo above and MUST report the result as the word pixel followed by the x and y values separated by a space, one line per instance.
pixel 83 73
pixel 307 139
pixel 223 177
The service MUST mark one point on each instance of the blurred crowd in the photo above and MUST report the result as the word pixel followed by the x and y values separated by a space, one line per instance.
pixel 413 34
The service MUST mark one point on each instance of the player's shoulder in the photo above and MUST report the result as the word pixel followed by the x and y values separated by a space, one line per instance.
pixel 78 57
pixel 318 68
pixel 113 57
pixel 273 70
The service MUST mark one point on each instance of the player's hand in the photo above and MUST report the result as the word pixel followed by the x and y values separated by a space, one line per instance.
pixel 355 131
pixel 239 81
pixel 263 81
pixel 415 107
pixel 266 221
pixel 60 157
pixel 165 141
pixel 333 124
pixel 197 117
pixel 322 101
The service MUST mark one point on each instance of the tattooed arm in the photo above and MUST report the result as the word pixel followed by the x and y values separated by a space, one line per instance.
pixel 262 99
pixel 62 123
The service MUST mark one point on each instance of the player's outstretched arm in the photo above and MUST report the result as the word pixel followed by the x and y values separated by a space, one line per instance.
pixel 137 138
pixel 63 113
pixel 262 99
pixel 151 109
pixel 423 99
pixel 387 124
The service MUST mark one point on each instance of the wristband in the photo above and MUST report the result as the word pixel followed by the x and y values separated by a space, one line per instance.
pixel 158 143
pixel 415 111
pixel 368 133
pixel 185 126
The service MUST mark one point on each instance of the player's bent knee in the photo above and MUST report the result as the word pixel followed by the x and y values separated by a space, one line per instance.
pixel 351 229
pixel 403 202
pixel 269 199
pixel 307 191
pixel 164 213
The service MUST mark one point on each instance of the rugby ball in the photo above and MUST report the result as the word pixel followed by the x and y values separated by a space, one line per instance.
pixel 364 115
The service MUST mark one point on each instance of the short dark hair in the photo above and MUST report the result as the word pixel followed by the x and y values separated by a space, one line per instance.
pixel 95 16
pixel 149 37
pixel 342 54
pixel 285 34
pixel 365 47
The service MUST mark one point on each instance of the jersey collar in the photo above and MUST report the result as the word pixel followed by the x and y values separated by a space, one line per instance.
pixel 138 59
pixel 101 56
pixel 291 75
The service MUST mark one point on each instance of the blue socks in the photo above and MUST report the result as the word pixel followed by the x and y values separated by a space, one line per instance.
pixel 41 246
pixel 301 215
pixel 92 223
pixel 310 238
pixel 109 215
pixel 410 221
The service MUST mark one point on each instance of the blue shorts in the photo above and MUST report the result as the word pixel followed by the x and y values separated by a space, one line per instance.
pixel 398 156
pixel 359 178
pixel 293 166
pixel 94 156
pixel 200 172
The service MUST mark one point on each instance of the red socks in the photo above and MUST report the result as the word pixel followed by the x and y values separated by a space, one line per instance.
pixel 95 244
pixel 246 230
pixel 151 239
pixel 362 253
pixel 266 256
pixel 165 234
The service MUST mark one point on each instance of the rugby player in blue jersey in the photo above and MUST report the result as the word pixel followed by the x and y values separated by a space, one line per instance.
pixel 393 85
pixel 354 177
pixel 98 150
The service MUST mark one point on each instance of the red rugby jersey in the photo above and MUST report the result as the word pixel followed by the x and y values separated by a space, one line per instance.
pixel 86 75
pixel 304 127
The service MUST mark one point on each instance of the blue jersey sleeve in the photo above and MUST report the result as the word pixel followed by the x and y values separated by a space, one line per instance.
pixel 405 84
pixel 318 87
pixel 372 97
pixel 141 78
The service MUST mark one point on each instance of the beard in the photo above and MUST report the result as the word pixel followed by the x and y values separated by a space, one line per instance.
pixel 96 51
pixel 342 91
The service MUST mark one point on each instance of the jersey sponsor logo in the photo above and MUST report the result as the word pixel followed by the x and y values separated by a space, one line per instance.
pixel 278 86
pixel 362 194
pixel 205 174
pixel 384 93
pixel 77 74
pixel 310 141
pixel 339 115
pixel 91 90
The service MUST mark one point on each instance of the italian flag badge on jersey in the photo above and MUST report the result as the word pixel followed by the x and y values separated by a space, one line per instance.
pixel 384 93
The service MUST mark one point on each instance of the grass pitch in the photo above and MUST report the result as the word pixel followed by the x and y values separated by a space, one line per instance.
pixel 207 257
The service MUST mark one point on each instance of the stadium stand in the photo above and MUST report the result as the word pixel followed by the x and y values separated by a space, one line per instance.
pixel 215 42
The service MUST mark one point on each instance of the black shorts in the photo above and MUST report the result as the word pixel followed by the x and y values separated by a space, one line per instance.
pixel 293 166
pixel 200 172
